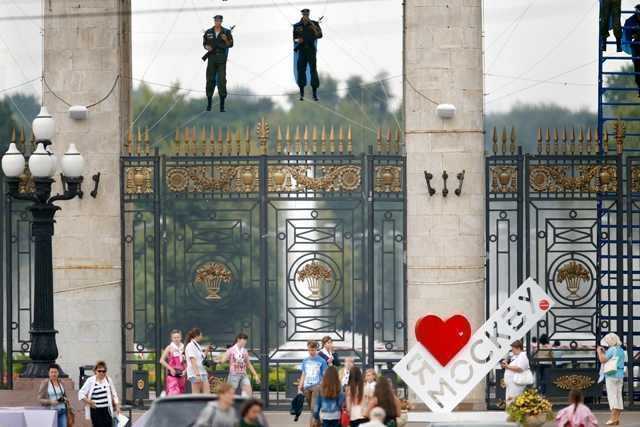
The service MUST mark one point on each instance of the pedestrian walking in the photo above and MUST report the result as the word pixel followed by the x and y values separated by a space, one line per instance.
pixel 251 414
pixel 313 368
pixel 100 397
pixel 330 399
pixel 195 356
pixel 515 372
pixel 220 413
pixel 384 397
pixel 327 352
pixel 613 369
pixel 370 379
pixel 355 397
pixel 239 361
pixel 345 370
pixel 53 396
pixel 305 37
pixel 217 41
pixel 577 414
pixel 173 359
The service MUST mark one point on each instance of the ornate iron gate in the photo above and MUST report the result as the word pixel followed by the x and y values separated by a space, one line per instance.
pixel 290 239
pixel 554 215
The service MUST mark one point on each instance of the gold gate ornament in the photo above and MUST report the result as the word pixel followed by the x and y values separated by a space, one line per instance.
pixel 213 275
pixel 315 274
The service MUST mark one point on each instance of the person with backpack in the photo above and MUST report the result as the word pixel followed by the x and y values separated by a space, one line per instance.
pixel 577 414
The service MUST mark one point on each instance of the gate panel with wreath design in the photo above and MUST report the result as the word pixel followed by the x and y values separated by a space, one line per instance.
pixel 276 239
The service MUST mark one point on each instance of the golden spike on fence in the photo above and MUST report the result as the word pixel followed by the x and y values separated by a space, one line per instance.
pixel 556 145
pixel 13 136
pixel 185 141
pixel 596 141
pixel 564 140
pixel 287 137
pixel 128 148
pixel 314 140
pixel 398 139
pixel 340 141
pixel 539 140
pixel 605 140
pixel 306 140
pixel 147 142
pixel 229 141
pixel 503 140
pixel 512 137
pixel 220 142
pixel 388 141
pixel 572 140
pixel 298 141
pixel 587 139
pixel 21 141
pixel 323 140
pixel 212 141
pixel 263 134
pixel 279 140
pixel 494 141
pixel 194 141
pixel 203 141
pixel 379 140
pixel 350 140
pixel 547 142
pixel 620 132
pixel 247 141
pixel 238 142
pixel 332 141
pixel 139 142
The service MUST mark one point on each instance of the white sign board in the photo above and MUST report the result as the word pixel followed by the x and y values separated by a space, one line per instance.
pixel 442 388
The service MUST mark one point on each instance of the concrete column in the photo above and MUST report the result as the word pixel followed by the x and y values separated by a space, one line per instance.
pixel 443 64
pixel 87 45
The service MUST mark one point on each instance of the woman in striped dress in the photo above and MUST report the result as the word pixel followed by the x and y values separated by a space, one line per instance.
pixel 100 397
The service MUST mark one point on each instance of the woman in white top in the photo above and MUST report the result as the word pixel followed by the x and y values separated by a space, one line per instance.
pixel 519 363
pixel 100 397
pixel 355 397
pixel 195 355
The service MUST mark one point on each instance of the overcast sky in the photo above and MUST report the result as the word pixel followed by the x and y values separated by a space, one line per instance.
pixel 535 50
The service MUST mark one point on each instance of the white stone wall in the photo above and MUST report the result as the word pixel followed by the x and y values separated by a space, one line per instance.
pixel 443 61
pixel 82 57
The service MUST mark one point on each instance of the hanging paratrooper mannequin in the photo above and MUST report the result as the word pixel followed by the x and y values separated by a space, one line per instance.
pixel 217 41
pixel 610 11
pixel 305 36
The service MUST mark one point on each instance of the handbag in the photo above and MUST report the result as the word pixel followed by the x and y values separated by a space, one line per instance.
pixel 345 418
pixel 523 378
pixel 71 416
pixel 611 365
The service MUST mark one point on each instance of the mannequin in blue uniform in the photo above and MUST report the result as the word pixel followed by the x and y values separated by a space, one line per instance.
pixel 631 41
pixel 305 34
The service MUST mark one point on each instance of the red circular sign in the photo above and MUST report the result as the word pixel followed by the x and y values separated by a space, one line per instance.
pixel 543 304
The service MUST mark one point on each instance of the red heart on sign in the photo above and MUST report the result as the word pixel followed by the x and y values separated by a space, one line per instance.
pixel 443 339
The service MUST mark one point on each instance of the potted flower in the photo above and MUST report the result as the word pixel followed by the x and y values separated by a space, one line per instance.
pixel 530 409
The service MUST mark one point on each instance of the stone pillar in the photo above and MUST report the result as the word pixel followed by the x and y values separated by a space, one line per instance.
pixel 443 64
pixel 87 45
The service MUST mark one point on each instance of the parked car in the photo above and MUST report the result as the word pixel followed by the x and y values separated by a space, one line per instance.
pixel 182 410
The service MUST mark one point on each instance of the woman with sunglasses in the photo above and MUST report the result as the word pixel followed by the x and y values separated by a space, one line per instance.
pixel 100 397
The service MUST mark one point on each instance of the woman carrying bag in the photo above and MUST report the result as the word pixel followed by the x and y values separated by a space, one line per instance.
pixel 517 373
pixel 100 397
pixel 613 369
pixel 53 396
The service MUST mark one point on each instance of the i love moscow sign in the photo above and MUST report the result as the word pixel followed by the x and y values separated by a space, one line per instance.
pixel 447 363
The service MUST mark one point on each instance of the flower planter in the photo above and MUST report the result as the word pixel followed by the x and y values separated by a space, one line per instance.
pixel 535 420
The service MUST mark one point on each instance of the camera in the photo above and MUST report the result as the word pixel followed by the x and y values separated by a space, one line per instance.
pixel 61 399
pixel 208 363
pixel 178 373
